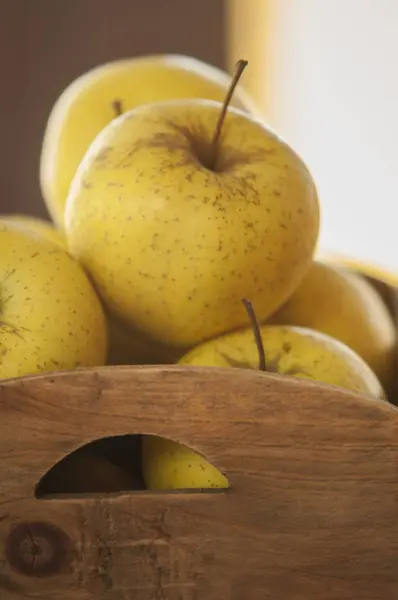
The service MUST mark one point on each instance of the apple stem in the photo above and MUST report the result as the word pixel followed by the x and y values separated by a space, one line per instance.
pixel 239 68
pixel 117 107
pixel 257 333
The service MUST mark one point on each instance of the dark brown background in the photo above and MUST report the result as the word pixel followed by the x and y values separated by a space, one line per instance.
pixel 45 44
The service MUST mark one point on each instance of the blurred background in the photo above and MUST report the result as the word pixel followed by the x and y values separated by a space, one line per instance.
pixel 322 73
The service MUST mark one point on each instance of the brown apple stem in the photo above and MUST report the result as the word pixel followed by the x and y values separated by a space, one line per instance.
pixel 257 333
pixel 117 107
pixel 239 68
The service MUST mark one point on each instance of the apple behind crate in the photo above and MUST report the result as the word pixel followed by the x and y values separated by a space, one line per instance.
pixel 259 460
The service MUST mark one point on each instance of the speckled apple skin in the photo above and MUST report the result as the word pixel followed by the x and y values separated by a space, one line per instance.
pixel 50 316
pixel 291 351
pixel 173 245
pixel 88 104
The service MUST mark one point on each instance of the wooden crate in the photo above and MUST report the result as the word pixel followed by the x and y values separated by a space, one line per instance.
pixel 311 513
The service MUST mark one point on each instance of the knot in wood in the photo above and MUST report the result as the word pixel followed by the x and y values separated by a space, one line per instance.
pixel 37 549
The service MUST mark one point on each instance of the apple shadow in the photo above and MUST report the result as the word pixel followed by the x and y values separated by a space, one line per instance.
pixel 106 465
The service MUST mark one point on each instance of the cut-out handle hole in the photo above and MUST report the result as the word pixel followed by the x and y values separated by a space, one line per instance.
pixel 107 465
pixel 130 463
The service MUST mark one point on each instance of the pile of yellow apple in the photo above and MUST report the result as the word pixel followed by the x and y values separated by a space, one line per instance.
pixel 172 202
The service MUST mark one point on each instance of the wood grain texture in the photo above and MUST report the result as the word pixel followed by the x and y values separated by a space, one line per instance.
pixel 312 512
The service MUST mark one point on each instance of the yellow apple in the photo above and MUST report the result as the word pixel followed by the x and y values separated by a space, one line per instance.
pixel 125 347
pixel 346 306
pixel 95 98
pixel 370 270
pixel 288 350
pixel 294 351
pixel 176 220
pixel 169 465
pixel 36 225
pixel 50 315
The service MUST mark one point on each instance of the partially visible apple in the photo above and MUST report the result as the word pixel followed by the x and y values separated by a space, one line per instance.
pixel 36 225
pixel 287 350
pixel 126 347
pixel 169 465
pixel 96 97
pixel 180 208
pixel 343 304
pixel 294 351
pixel 356 265
pixel 383 280
pixel 50 315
